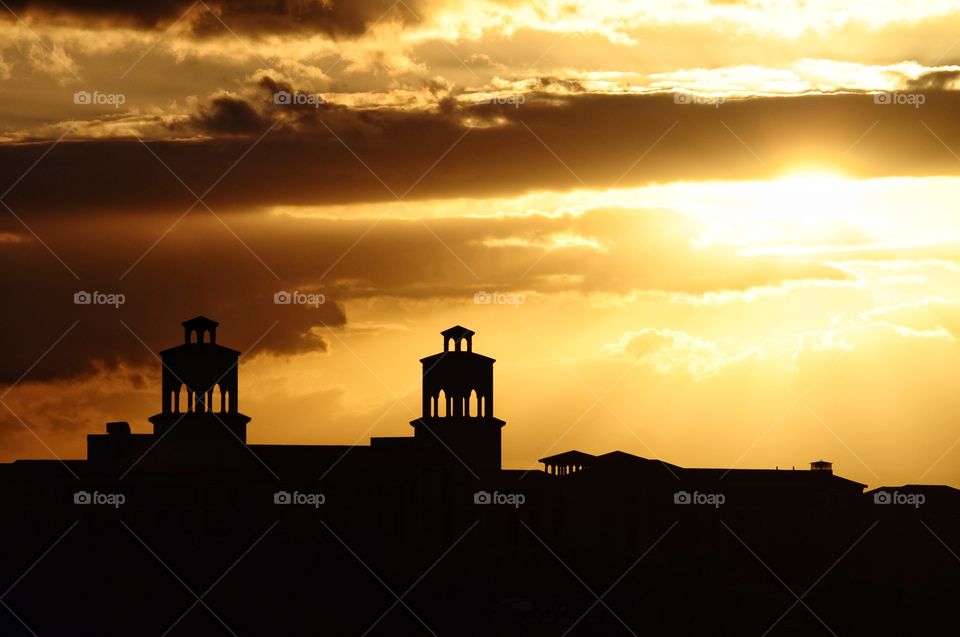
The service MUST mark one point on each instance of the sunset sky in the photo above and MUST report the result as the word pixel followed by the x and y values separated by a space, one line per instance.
pixel 723 234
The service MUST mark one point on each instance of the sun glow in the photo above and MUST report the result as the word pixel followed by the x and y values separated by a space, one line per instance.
pixel 802 211
pixel 805 211
pixel 809 198
pixel 808 211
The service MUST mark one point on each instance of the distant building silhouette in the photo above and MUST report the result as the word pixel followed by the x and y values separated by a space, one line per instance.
pixel 199 423
pixel 338 523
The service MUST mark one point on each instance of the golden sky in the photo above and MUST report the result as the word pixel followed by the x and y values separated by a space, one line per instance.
pixel 718 233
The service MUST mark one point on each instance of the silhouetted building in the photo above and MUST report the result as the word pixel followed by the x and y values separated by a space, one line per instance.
pixel 199 424
pixel 821 465
pixel 458 421
pixel 504 542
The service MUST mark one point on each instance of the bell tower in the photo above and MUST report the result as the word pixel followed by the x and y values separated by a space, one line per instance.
pixel 457 419
pixel 199 415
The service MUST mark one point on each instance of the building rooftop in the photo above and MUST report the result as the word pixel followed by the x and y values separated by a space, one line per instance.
pixel 457 331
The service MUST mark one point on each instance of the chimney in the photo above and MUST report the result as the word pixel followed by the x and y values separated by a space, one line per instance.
pixel 118 428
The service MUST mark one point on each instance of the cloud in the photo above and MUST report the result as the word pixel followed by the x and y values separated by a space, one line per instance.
pixel 53 62
pixel 53 337
pixel 333 17
pixel 942 79
pixel 230 115
pixel 668 350
pixel 171 268
pixel 334 154
pixel 932 317
pixel 224 17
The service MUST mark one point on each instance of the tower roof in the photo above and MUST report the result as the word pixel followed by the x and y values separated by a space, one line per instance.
pixel 199 322
pixel 569 456
pixel 457 331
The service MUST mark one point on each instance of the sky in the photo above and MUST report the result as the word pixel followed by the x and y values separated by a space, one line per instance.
pixel 718 233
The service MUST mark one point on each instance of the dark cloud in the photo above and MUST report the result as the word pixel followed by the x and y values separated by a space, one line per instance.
pixel 933 80
pixel 230 115
pixel 324 153
pixel 333 17
pixel 145 14
pixel 571 86
pixel 198 268
pixel 223 17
